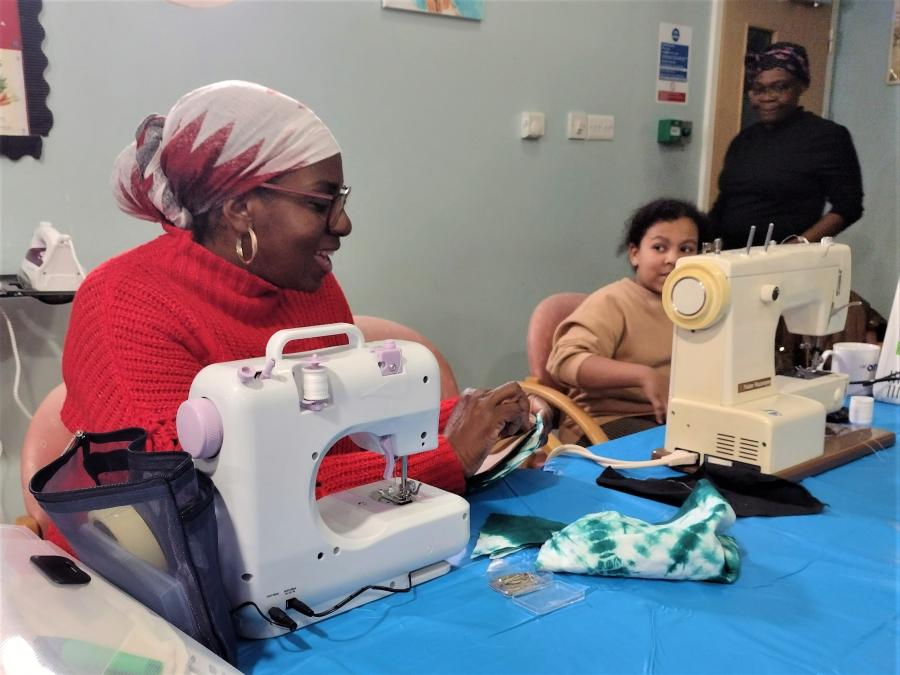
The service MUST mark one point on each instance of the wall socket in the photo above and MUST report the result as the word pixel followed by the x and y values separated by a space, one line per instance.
pixel 577 126
pixel 531 125
pixel 601 127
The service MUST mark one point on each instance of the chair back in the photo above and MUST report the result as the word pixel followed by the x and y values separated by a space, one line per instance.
pixel 376 328
pixel 45 440
pixel 547 315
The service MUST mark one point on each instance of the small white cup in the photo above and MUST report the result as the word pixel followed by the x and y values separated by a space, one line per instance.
pixel 858 360
pixel 861 409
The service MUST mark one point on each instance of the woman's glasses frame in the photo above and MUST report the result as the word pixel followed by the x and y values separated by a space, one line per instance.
pixel 779 88
pixel 336 202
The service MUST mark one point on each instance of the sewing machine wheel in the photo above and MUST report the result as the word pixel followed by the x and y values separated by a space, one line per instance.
pixel 695 296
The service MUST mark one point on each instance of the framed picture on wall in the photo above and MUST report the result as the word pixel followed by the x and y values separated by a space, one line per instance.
pixel 893 74
pixel 24 117
pixel 463 9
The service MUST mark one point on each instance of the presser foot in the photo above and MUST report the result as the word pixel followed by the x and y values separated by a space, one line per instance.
pixel 399 493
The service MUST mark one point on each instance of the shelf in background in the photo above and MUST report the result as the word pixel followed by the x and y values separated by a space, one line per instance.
pixel 11 287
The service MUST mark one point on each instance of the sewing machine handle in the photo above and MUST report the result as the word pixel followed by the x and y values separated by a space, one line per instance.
pixel 276 343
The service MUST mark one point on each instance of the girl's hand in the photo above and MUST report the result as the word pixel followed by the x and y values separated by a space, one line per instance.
pixel 656 389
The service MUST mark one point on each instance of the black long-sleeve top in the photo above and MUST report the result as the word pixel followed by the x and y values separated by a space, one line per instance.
pixel 784 174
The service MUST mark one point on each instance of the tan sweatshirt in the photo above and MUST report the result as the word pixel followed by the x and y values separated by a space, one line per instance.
pixel 622 321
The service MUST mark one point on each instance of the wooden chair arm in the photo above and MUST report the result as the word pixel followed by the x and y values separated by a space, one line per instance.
pixel 30 523
pixel 563 403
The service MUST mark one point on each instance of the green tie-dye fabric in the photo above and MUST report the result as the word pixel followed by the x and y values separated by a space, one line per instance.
pixel 689 546
pixel 503 534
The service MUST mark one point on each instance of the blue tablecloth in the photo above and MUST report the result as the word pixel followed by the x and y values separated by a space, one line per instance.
pixel 816 593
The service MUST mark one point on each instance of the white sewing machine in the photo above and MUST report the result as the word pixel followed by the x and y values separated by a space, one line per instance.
pixel 725 401
pixel 262 427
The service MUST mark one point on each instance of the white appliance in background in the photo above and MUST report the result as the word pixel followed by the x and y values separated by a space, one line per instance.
pixel 889 363
pixel 50 263
pixel 57 629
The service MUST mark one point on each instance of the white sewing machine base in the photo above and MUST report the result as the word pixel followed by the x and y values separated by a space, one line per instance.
pixel 247 620
pixel 843 443
pixel 772 433
pixel 434 526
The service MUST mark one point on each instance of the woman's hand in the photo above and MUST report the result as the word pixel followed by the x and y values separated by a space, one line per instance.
pixel 483 416
pixel 540 408
pixel 656 389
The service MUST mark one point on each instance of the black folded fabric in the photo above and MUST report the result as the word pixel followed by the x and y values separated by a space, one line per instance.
pixel 750 493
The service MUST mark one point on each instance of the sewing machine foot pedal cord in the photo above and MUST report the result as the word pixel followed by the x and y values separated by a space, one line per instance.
pixel 843 444
pixel 279 617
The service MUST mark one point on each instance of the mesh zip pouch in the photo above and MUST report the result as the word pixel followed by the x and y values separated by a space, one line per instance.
pixel 146 522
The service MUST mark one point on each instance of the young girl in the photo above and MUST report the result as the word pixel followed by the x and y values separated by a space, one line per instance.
pixel 614 350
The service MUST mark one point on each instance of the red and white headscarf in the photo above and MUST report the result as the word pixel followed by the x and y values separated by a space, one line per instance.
pixel 217 142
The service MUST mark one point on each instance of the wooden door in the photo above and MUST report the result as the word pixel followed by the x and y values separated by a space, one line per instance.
pixel 753 24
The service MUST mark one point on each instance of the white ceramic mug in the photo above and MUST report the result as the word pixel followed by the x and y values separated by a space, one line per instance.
pixel 858 360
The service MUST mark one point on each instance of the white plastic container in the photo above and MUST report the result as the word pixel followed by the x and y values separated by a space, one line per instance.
pixel 862 408
pixel 94 627
pixel 889 363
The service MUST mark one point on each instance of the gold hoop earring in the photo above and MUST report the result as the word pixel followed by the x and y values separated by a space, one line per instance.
pixel 254 247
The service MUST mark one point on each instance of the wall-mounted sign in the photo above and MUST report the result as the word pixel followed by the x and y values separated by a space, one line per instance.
pixel 672 67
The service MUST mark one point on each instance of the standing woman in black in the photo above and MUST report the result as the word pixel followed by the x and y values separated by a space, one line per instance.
pixel 785 168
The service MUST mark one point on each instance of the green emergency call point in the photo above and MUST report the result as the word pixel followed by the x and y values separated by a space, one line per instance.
pixel 671 132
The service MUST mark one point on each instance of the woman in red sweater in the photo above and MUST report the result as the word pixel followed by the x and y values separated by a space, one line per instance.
pixel 249 187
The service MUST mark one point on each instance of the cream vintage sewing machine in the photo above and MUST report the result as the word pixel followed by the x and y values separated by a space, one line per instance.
pixel 725 401
pixel 262 427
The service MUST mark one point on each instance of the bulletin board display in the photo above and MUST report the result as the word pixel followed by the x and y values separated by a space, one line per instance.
pixel 24 116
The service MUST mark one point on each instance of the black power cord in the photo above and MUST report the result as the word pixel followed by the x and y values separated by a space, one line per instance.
pixel 278 617
pixel 891 377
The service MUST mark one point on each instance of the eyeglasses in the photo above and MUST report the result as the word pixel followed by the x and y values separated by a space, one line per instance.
pixel 334 204
pixel 777 88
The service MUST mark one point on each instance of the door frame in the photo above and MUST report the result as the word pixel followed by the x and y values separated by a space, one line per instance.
pixel 716 17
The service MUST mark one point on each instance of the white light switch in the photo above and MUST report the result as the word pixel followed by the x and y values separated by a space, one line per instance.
pixel 577 126
pixel 532 124
pixel 601 127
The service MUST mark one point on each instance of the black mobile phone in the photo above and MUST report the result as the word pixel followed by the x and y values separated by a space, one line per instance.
pixel 60 569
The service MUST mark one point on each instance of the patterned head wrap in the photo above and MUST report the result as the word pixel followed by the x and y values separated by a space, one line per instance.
pixel 787 55
pixel 217 142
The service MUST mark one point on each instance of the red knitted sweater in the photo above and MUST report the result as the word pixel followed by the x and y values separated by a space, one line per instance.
pixel 145 322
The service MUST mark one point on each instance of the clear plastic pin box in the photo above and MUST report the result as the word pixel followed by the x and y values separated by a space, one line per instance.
pixel 538 592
